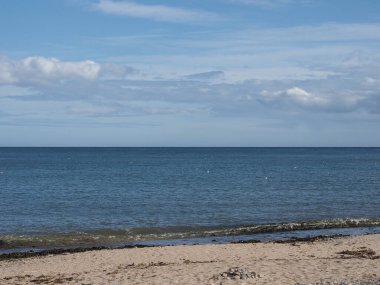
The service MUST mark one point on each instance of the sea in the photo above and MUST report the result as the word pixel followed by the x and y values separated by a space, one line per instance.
pixel 69 197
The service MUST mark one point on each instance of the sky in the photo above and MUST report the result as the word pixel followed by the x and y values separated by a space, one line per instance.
pixel 190 73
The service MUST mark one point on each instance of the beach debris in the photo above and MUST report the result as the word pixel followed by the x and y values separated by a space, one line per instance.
pixel 42 279
pixel 187 261
pixel 362 252
pixel 236 273
pixel 247 241
pixel 293 240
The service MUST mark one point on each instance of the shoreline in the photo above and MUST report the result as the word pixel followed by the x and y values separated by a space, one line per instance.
pixel 67 250
pixel 182 235
pixel 327 259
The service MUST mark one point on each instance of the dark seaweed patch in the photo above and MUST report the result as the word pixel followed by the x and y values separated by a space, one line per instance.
pixel 57 251
pixel 359 253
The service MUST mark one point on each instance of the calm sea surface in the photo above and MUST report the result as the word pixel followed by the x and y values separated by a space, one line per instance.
pixel 125 194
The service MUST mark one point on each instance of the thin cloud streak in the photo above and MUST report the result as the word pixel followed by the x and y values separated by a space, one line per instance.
pixel 155 12
pixel 273 3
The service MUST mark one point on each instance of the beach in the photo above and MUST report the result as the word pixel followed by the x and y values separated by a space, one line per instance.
pixel 339 259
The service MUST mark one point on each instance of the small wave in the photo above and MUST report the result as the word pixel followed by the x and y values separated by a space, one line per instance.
pixel 107 236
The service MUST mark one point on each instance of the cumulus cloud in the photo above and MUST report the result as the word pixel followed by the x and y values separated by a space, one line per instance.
pixel 43 70
pixel 299 97
pixel 303 97
pixel 55 69
pixel 154 12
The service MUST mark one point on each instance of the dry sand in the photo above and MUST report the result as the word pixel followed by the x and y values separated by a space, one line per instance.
pixel 272 263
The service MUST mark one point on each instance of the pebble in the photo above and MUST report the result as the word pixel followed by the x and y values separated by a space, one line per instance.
pixel 236 273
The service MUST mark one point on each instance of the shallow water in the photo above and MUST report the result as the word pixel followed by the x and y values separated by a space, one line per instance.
pixel 59 194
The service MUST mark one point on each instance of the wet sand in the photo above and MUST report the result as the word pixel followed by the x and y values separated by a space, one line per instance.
pixel 355 259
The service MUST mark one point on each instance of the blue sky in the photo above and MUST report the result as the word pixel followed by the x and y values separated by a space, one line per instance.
pixel 189 73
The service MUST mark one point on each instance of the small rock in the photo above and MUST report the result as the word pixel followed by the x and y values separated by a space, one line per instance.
pixel 235 273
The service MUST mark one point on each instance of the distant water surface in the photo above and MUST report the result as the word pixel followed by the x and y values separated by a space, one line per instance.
pixel 142 193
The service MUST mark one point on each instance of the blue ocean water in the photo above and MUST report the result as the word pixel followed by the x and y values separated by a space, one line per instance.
pixel 128 194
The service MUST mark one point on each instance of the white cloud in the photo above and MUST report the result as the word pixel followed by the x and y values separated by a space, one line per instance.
pixel 154 12
pixel 297 96
pixel 43 70
pixel 6 71
pixel 53 68
pixel 303 97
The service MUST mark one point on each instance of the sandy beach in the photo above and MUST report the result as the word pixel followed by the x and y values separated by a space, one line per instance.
pixel 354 259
